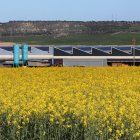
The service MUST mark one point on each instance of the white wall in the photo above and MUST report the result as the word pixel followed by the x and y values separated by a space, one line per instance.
pixel 84 62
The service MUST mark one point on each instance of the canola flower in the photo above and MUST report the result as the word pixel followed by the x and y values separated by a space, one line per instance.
pixel 70 103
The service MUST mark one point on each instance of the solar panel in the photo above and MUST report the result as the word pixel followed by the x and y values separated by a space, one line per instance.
pixel 124 49
pixel 66 49
pixel 5 51
pixel 105 49
pixel 7 48
pixel 37 51
pixel 85 49
pixel 137 47
pixel 44 48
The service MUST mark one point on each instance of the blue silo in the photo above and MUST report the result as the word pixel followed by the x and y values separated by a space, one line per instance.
pixel 25 54
pixel 16 55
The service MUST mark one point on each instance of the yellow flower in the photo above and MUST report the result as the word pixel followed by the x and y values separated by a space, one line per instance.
pixel 105 100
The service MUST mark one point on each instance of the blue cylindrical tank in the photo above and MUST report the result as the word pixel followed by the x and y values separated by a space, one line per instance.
pixel 16 55
pixel 25 54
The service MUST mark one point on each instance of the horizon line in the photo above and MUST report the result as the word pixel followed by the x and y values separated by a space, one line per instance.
pixel 69 21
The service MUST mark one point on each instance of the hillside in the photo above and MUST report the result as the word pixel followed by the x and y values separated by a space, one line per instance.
pixel 66 28
pixel 70 32
pixel 97 39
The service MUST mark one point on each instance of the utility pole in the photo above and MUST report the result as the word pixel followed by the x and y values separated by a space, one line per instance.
pixel 0 36
pixel 134 44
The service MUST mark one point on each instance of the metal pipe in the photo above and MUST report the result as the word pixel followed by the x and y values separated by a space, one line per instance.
pixel 16 54
pixel 25 55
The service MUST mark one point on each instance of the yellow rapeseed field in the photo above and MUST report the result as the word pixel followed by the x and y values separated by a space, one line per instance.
pixel 70 103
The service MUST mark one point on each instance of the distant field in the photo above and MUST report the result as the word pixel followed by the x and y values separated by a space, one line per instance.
pixel 104 39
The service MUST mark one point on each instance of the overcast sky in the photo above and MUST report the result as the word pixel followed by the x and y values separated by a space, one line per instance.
pixel 77 10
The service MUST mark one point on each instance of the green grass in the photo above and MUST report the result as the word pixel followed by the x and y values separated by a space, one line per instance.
pixel 97 39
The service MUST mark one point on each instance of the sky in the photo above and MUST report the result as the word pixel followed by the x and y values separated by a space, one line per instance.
pixel 70 10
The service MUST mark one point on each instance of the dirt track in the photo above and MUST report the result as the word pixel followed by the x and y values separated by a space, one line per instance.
pixel 6 43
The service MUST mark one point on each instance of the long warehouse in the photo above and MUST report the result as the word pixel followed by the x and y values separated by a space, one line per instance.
pixel 74 55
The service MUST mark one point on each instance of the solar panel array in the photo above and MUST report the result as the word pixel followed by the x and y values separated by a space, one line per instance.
pixel 115 50
pixel 74 50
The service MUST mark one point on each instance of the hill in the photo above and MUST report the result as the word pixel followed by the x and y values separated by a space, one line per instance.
pixel 70 32
pixel 66 28
pixel 97 39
